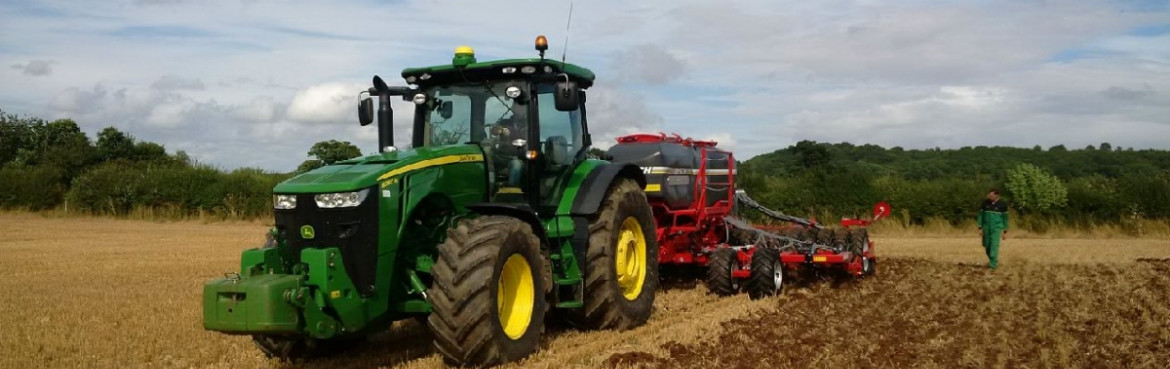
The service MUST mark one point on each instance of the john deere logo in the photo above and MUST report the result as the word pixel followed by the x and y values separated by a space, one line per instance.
pixel 307 232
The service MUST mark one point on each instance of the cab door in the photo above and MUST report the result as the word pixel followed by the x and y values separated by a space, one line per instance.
pixel 562 141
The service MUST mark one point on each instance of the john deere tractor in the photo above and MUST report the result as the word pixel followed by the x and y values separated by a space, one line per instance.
pixel 493 219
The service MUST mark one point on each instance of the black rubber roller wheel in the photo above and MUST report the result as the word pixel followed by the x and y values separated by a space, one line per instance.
pixel 488 292
pixel 767 276
pixel 723 261
pixel 621 263
pixel 841 237
pixel 824 236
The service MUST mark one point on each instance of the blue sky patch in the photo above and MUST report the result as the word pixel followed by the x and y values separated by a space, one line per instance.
pixel 1150 31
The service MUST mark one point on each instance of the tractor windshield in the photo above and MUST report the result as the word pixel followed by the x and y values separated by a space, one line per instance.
pixel 472 113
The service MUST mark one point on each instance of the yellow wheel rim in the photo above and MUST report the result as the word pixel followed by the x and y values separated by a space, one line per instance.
pixel 515 295
pixel 630 259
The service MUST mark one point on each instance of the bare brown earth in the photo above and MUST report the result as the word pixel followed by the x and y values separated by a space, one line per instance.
pixel 104 293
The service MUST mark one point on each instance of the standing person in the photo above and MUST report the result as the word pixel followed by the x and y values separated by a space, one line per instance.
pixel 993 225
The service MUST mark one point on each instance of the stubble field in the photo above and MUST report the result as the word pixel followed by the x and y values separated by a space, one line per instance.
pixel 104 293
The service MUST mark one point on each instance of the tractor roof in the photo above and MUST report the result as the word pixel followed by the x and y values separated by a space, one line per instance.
pixel 449 73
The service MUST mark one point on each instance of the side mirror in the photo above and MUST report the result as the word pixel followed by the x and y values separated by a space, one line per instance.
pixel 567 96
pixel 366 111
pixel 446 109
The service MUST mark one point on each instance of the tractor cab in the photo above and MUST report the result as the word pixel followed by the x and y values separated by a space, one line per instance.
pixel 527 116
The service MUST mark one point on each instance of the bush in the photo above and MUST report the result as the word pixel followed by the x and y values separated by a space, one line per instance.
pixel 1035 189
pixel 33 188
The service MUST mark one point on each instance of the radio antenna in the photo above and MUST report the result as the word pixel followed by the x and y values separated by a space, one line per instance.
pixel 569 22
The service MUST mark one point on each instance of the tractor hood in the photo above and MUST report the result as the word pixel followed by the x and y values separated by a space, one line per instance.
pixel 354 174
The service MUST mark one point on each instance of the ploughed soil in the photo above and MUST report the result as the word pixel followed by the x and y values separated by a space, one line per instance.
pixel 919 313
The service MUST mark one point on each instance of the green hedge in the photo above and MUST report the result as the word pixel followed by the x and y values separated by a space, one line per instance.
pixel 119 187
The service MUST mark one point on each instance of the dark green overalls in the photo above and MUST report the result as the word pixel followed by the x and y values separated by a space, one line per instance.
pixel 993 220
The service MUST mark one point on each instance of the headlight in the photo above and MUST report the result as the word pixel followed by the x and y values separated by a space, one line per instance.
pixel 512 92
pixel 284 202
pixel 341 199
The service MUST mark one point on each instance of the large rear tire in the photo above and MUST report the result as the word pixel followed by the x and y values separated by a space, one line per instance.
pixel 621 262
pixel 488 292
pixel 723 261
pixel 767 276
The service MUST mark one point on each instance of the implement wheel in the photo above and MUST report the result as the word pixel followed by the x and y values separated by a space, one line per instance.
pixel 488 292
pixel 621 263
pixel 719 280
pixel 767 276
pixel 868 263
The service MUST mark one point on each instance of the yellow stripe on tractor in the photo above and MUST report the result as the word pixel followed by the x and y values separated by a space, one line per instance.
pixel 451 159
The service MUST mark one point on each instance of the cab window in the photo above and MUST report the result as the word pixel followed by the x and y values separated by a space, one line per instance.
pixel 561 133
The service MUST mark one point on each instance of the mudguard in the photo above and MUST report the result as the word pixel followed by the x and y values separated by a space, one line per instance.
pixel 522 212
pixel 595 186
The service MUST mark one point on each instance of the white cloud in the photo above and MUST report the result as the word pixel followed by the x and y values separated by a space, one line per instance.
pixel 172 82
pixel 260 109
pixel 170 114
pixel 724 141
pixel 616 112
pixel 648 63
pixel 74 100
pixel 326 103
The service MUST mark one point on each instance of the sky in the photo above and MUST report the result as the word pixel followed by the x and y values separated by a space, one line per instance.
pixel 255 83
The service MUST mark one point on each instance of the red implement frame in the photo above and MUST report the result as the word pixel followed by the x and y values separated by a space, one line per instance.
pixel 825 258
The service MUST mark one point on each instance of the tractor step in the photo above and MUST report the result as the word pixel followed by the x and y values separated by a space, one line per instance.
pixel 570 304
pixel 568 281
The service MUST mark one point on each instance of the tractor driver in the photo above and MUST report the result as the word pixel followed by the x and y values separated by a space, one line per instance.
pixel 505 131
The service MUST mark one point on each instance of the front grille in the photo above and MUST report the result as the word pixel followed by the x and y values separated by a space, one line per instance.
pixel 352 230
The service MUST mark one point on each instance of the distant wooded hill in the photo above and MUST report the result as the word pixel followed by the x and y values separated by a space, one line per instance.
pixel 1048 186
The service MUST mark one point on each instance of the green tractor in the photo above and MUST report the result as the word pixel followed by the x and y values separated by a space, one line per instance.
pixel 494 216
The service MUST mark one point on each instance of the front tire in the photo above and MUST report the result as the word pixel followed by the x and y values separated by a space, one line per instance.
pixel 719 279
pixel 621 262
pixel 488 292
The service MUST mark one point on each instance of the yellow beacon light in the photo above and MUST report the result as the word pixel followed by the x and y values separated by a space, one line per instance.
pixel 541 45
pixel 464 55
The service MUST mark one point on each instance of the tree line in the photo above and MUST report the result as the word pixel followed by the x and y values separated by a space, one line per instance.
pixel 55 165
pixel 1054 186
